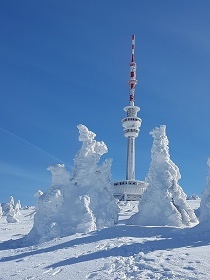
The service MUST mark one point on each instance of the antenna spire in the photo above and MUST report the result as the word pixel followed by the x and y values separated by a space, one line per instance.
pixel 132 82
pixel 133 48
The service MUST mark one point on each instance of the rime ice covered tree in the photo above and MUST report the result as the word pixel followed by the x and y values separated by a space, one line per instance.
pixel 17 208
pixel 96 178
pixel 1 212
pixel 205 202
pixel 12 201
pixel 7 207
pixel 164 201
pixel 82 202
pixel 13 211
pixel 38 193
pixel 12 217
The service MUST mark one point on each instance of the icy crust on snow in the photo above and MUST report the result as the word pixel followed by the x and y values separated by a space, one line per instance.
pixel 164 201
pixel 205 202
pixel 82 202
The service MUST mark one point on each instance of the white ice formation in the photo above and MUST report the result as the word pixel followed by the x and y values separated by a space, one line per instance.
pixel 38 193
pixel 82 202
pixel 205 202
pixel 11 210
pixel 1 212
pixel 12 217
pixel 164 201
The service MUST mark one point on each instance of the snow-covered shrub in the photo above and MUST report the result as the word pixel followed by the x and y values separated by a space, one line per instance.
pixel 205 202
pixel 82 202
pixel 164 201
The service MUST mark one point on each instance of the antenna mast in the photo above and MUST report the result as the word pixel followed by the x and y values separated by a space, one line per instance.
pixel 132 82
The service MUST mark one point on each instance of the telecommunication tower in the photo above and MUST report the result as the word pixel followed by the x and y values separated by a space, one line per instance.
pixel 131 189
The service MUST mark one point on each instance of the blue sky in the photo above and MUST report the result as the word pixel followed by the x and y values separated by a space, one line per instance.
pixel 67 62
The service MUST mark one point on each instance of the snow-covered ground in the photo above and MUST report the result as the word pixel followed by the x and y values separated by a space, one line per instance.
pixel 119 252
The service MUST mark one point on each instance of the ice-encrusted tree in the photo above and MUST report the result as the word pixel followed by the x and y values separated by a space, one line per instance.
pixel 12 216
pixel 38 193
pixel 164 201
pixel 12 201
pixel 11 211
pixel 205 202
pixel 17 208
pixel 1 212
pixel 82 202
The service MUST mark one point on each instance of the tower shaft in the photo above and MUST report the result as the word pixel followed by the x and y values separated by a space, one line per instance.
pixel 130 169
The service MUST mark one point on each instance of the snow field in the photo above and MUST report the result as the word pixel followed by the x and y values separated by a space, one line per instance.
pixel 119 252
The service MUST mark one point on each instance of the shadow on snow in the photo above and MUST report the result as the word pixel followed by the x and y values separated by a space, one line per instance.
pixel 165 238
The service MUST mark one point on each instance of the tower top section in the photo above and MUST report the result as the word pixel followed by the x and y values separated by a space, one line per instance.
pixel 133 48
pixel 132 82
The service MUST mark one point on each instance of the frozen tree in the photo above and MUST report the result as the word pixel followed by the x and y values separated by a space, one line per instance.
pixel 12 210
pixel 12 202
pixel 205 201
pixel 12 217
pixel 164 201
pixel 8 207
pixel 17 208
pixel 1 212
pixel 38 193
pixel 193 197
pixel 82 202
pixel 60 176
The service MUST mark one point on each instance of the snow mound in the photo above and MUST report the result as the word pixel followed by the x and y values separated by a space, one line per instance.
pixel 83 202
pixel 164 201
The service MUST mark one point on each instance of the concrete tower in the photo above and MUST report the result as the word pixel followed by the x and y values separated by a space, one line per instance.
pixel 131 189
pixel 131 123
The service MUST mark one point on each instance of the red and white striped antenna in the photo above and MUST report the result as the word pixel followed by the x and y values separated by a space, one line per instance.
pixel 132 82
pixel 133 48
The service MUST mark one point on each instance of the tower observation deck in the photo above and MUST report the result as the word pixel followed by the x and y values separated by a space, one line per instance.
pixel 130 189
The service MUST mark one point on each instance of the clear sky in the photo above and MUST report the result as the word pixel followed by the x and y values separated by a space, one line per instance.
pixel 63 63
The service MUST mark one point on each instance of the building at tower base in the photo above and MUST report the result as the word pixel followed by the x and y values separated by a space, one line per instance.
pixel 131 189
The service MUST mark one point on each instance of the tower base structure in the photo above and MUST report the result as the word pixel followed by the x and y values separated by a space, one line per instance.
pixel 129 190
